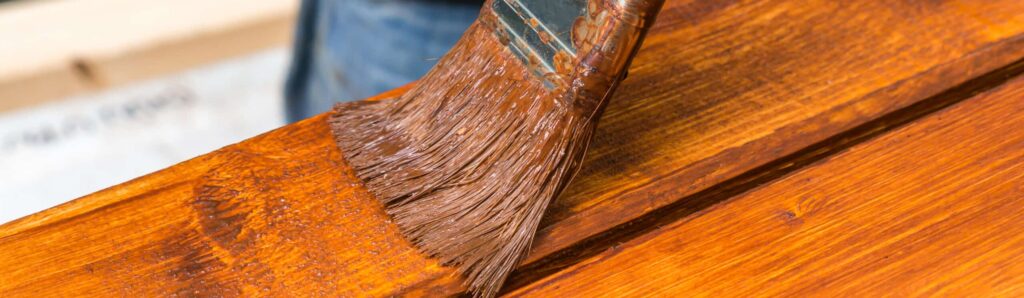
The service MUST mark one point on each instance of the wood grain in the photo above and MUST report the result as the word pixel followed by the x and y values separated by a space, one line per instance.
pixel 722 87
pixel 930 209
pixel 278 214
pixel 719 89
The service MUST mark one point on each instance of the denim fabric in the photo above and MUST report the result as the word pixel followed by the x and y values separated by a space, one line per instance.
pixel 352 49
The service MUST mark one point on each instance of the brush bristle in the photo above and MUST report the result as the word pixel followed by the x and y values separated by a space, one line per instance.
pixel 467 161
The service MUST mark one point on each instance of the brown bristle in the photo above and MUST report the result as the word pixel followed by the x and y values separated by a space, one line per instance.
pixel 467 161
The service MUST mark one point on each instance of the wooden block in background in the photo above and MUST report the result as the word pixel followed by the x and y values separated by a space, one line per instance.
pixel 89 142
pixel 54 49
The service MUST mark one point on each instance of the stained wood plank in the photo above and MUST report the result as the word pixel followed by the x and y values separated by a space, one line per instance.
pixel 278 214
pixel 931 209
pixel 719 89
pixel 723 87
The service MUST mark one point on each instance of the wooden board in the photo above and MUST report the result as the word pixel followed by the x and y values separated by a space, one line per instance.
pixel 931 209
pixel 719 90
pixel 55 49
pixel 278 214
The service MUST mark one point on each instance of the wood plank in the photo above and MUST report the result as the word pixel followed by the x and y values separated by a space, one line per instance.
pixel 931 209
pixel 748 81
pixel 60 48
pixel 276 215
pixel 722 88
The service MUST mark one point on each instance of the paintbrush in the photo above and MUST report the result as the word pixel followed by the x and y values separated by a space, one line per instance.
pixel 467 161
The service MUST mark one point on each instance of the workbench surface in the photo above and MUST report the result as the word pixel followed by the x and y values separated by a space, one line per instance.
pixel 791 147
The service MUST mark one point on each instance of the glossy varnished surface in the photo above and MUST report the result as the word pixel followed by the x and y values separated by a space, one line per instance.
pixel 930 209
pixel 720 89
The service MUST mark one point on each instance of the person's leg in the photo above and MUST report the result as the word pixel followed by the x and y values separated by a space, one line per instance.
pixel 352 49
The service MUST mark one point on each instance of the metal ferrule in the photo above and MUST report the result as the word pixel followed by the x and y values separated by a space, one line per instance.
pixel 578 45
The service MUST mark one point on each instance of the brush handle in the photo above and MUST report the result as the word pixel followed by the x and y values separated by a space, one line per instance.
pixel 579 46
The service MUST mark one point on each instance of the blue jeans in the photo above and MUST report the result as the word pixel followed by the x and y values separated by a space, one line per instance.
pixel 352 49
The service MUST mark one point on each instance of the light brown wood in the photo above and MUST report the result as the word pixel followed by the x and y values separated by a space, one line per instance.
pixel 931 209
pixel 720 89
pixel 278 214
pixel 55 49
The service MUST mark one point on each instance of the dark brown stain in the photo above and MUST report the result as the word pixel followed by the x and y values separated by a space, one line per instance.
pixel 468 160
pixel 221 218
pixel 223 209
pixel 790 218
pixel 195 268
pixel 229 216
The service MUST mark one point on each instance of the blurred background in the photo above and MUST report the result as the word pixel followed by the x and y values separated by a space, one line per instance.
pixel 96 92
